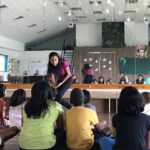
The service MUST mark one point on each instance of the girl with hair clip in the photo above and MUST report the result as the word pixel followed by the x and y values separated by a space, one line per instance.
pixel 17 102
pixel 60 76
pixel 131 126
pixel 40 114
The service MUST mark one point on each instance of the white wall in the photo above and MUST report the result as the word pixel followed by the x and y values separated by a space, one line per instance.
pixel 89 34
pixel 11 44
pixel 136 33
pixel 27 56
pixel 11 54
pixel 11 48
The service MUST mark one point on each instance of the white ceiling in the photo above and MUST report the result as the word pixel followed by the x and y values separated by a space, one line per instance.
pixel 46 16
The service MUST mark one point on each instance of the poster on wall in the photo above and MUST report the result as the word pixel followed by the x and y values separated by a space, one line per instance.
pixel 37 64
pixel 13 66
pixel 141 51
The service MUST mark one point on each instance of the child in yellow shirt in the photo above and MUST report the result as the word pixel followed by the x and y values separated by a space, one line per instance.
pixel 80 122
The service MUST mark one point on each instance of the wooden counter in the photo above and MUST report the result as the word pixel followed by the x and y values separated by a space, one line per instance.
pixel 98 91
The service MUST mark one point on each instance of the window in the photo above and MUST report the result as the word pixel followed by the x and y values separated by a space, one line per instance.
pixel 3 63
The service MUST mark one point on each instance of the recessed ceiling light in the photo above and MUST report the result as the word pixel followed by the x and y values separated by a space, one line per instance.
pixel 44 3
pixel 145 3
pixel 69 13
pixel 107 11
pixel 128 19
pixel 59 18
pixel 108 1
pixel 96 3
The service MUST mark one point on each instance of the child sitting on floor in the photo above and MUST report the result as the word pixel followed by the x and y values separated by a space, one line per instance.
pixel 87 99
pixel 146 99
pixel 3 113
pixel 17 102
pixel 80 122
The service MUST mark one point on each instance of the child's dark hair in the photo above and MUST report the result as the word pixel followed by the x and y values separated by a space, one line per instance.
pixel 86 66
pixel 2 90
pixel 130 102
pixel 41 94
pixel 87 96
pixel 146 97
pixel 77 97
pixel 18 97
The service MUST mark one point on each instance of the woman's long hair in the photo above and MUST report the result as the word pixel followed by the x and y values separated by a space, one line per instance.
pixel 40 95
pixel 18 97
pixel 51 67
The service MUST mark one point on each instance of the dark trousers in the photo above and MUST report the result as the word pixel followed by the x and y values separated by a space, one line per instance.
pixel 88 79
pixel 61 91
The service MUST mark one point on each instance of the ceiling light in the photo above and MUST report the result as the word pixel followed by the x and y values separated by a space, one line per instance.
pixel 108 1
pixel 128 19
pixel 44 3
pixel 107 11
pixel 96 3
pixel 59 18
pixel 69 13
pixel 145 3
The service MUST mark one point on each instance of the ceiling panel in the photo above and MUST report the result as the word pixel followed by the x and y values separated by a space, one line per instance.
pixel 46 16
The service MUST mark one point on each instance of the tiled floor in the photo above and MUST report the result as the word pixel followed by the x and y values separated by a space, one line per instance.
pixel 12 144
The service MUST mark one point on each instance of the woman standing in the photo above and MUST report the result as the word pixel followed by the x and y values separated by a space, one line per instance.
pixel 60 76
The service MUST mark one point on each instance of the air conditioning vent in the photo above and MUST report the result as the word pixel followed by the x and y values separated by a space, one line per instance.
pixel 129 11
pixel 93 2
pixel 42 31
pixel 33 25
pixel 81 17
pixel 131 1
pixel 101 19
pixel 60 3
pixel 75 8
pixel 97 12
pixel 20 17
pixel 3 6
